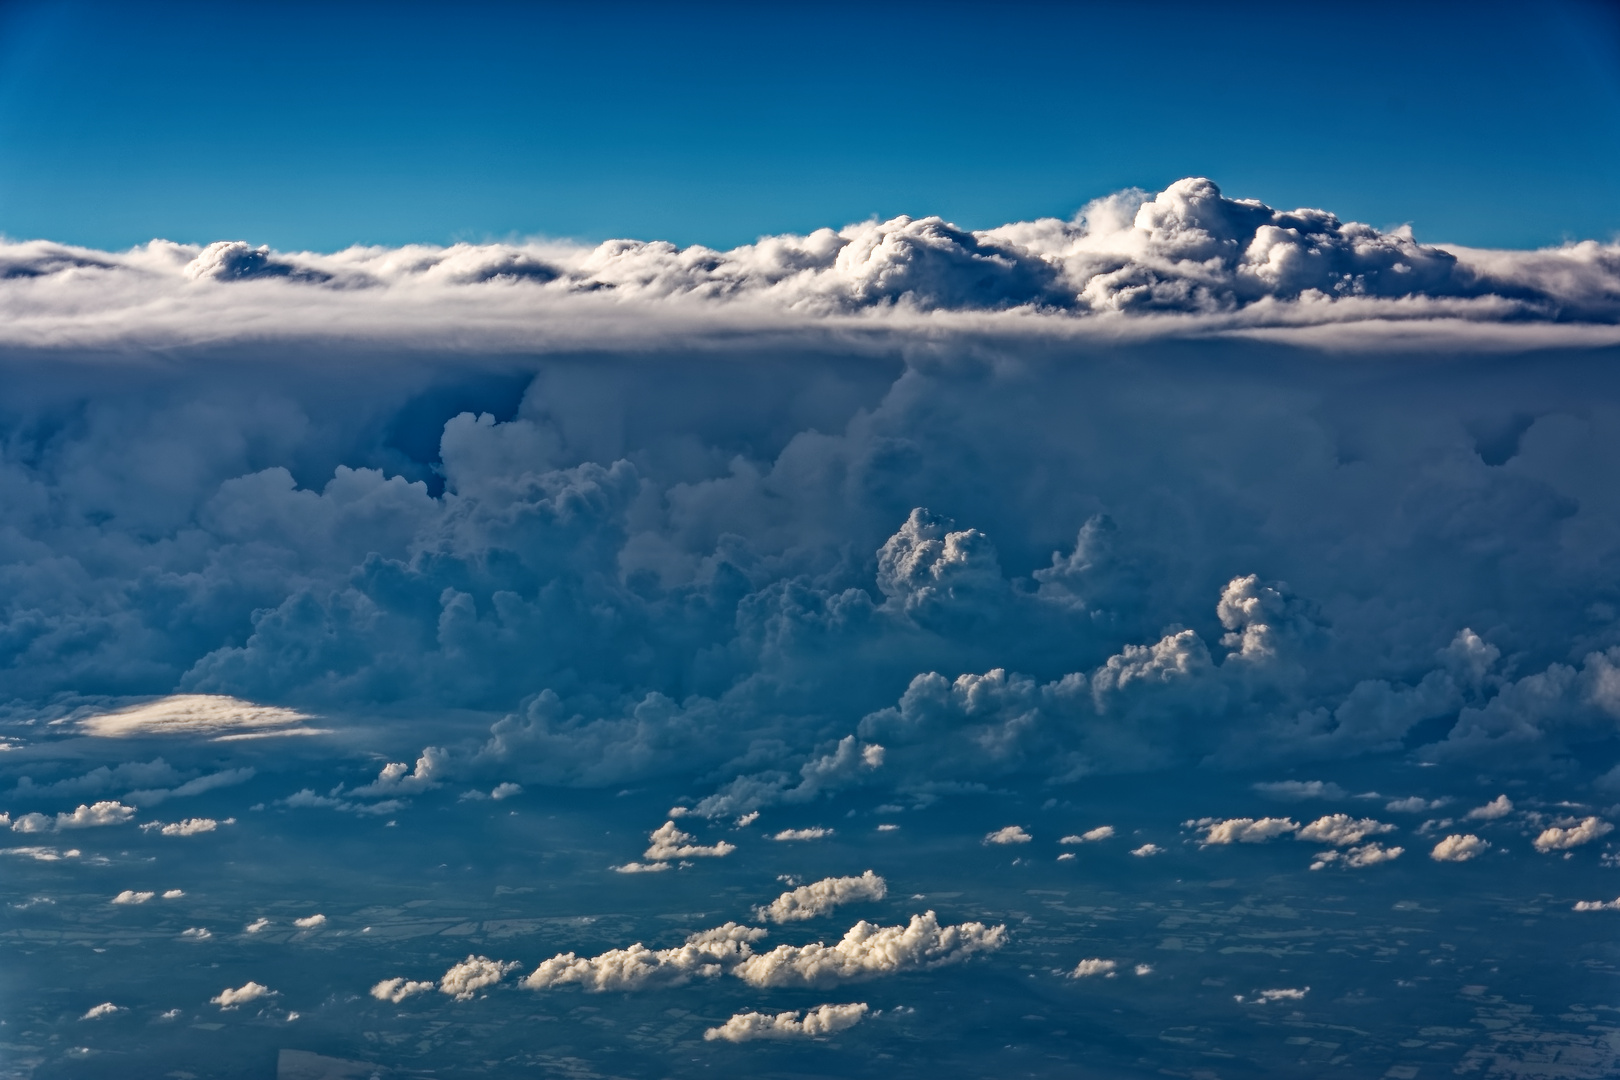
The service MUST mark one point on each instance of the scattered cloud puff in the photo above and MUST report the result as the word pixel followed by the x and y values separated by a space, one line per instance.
pixel 1597 905
pixel 819 1021
pixel 473 974
pixel 1087 969
pixel 1144 969
pixel 813 833
pixel 196 933
pixel 310 922
pixel 397 990
pixel 41 854
pixel 91 816
pixel 1247 830
pixel 1499 807
pixel 669 842
pixel 398 778
pixel 641 867
pixel 1341 830
pixel 1266 997
pixel 1357 858
pixel 1459 848
pixel 173 894
pixel 1147 851
pixel 130 896
pixel 1415 804
pixel 1012 834
pixel 1090 836
pixel 868 951
pixel 507 790
pixel 250 991
pixel 256 926
pixel 706 955
pixel 820 897
pixel 96 1012
pixel 188 827
pixel 208 716
pixel 1573 835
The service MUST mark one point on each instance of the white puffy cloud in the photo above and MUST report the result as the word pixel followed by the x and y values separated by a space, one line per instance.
pixel 473 974
pixel 669 842
pixel 84 816
pixel 249 991
pixel 507 790
pixel 1499 807
pixel 96 1012
pixel 130 896
pixel 815 832
pixel 868 951
pixel 820 897
pixel 187 827
pixel 398 778
pixel 1090 836
pixel 1357 858
pixel 1572 835
pixel 704 955
pixel 818 1021
pixel 256 926
pixel 173 894
pixel 1247 830
pixel 196 933
pixel 633 867
pixel 1266 997
pixel 310 922
pixel 1011 834
pixel 1597 905
pixel 1091 968
pixel 1341 830
pixel 1147 851
pixel 397 990
pixel 1459 848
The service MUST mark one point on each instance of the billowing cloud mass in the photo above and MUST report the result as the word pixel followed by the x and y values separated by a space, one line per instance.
pixel 1356 858
pixel 473 974
pixel 188 827
pixel 1188 250
pixel 820 897
pixel 1087 969
pixel 1342 830
pixel 1459 848
pixel 1572 834
pixel 868 951
pixel 821 1020
pixel 669 842
pixel 1499 807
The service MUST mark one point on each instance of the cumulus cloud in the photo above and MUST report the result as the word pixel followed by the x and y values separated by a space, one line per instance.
pixel 868 951
pixel 704 955
pixel 196 933
pixel 249 991
pixel 1572 835
pixel 1147 851
pixel 641 867
pixel 1499 807
pixel 1247 830
pixel 85 816
pixel 815 832
pixel 1357 858
pixel 1597 905
pixel 1341 830
pixel 1266 997
pixel 473 974
pixel 819 1021
pixel 188 827
pixel 211 716
pixel 820 897
pixel 669 842
pixel 130 896
pixel 1087 969
pixel 96 1012
pixel 397 990
pixel 1090 836
pixel 256 926
pixel 1459 848
pixel 398 778
pixel 1011 834
pixel 310 922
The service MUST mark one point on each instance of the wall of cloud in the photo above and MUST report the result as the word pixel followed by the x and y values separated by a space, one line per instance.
pixel 630 510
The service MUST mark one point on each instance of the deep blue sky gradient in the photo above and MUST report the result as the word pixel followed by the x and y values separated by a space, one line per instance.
pixel 321 126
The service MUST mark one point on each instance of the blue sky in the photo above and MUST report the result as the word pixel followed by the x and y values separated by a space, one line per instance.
pixel 321 126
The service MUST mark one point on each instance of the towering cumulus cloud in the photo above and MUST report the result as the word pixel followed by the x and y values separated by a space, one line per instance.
pixel 902 506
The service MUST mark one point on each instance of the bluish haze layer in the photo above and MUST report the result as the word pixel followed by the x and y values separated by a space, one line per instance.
pixel 1180 639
